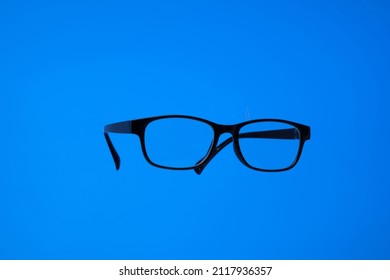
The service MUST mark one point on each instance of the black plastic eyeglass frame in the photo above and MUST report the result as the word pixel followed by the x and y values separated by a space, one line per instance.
pixel 138 128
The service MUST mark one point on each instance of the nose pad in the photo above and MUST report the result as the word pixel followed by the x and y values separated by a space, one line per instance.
pixel 218 146
pixel 209 151
pixel 237 150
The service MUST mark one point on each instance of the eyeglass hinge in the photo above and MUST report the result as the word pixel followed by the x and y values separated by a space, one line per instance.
pixel 130 127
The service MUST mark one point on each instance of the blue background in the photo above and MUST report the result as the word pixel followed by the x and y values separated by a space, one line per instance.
pixel 67 68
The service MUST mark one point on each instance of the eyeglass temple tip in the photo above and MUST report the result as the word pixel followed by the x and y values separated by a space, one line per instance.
pixel 114 153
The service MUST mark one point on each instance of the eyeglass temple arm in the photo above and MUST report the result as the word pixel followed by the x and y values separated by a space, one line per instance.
pixel 289 133
pixel 120 127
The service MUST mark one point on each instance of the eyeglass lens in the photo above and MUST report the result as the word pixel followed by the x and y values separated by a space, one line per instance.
pixel 177 142
pixel 276 149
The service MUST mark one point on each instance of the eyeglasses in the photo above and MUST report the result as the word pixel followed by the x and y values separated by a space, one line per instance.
pixel 180 142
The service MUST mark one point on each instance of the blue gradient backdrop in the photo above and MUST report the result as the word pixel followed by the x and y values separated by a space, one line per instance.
pixel 67 68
